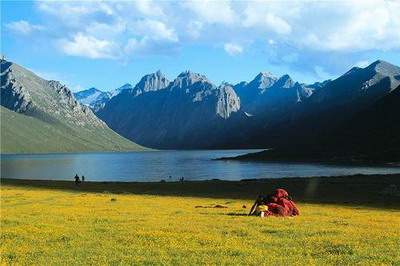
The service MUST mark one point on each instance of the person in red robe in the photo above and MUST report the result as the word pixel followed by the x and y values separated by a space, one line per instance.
pixel 279 204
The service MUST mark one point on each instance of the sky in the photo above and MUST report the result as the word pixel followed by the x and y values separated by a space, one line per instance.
pixel 105 44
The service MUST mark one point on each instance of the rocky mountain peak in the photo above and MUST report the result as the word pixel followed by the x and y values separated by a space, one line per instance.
pixel 285 82
pixel 14 95
pixel 151 82
pixel 227 101
pixel 188 78
pixel 384 68
pixel 24 92
pixel 263 81
pixel 93 90
pixel 126 86
pixel 264 75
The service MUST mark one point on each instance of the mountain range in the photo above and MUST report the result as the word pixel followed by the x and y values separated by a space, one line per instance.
pixel 38 115
pixel 190 112
pixel 356 113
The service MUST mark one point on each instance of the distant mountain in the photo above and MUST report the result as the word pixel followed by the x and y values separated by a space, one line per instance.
pixel 151 82
pixel 267 112
pixel 96 99
pixel 43 116
pixel 123 88
pixel 189 112
pixel 268 98
pixel 93 98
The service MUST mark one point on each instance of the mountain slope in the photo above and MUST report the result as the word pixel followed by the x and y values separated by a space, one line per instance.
pixel 352 118
pixel 43 116
pixel 345 97
pixel 375 129
pixel 370 136
pixel 189 112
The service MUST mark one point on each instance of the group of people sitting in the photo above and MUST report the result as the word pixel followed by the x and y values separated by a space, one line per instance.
pixel 277 204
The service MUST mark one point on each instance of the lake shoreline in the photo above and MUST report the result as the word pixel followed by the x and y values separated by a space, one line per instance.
pixel 169 165
pixel 369 190
pixel 374 160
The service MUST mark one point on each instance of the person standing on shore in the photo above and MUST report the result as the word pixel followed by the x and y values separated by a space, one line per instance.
pixel 77 181
pixel 83 178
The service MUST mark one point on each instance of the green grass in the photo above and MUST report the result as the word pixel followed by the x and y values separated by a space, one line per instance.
pixel 24 134
pixel 53 223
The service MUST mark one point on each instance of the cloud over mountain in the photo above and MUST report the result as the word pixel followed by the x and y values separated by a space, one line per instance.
pixel 289 33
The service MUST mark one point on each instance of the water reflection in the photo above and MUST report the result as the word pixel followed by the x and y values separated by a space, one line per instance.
pixel 157 165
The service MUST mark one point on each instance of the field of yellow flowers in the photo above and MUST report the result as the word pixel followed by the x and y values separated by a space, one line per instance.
pixel 44 226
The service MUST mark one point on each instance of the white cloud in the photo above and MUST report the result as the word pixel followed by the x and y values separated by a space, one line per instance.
pixel 23 27
pixel 154 29
pixel 257 14
pixel 89 46
pixel 149 8
pixel 360 26
pixel 106 30
pixel 211 11
pixel 194 29
pixel 287 31
pixel 134 46
pixel 233 49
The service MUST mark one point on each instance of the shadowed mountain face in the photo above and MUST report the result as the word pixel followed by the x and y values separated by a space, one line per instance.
pixel 267 112
pixel 374 129
pixel 44 116
pixel 189 112
pixel 353 114
pixel 266 93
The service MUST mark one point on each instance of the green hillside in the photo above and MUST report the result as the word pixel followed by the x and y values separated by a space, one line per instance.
pixel 25 134
pixel 39 116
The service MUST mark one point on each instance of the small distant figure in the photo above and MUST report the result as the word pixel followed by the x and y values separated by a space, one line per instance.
pixel 182 179
pixel 83 178
pixel 77 181
pixel 170 177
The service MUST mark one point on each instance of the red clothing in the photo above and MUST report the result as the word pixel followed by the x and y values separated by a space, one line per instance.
pixel 281 193
pixel 282 205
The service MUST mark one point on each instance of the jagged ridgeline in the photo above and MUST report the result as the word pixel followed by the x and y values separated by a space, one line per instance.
pixel 267 112
pixel 43 116
pixel 189 112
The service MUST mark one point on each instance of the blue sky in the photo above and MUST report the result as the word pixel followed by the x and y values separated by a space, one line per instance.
pixel 108 43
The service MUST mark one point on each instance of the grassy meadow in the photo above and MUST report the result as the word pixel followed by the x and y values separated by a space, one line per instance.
pixel 58 223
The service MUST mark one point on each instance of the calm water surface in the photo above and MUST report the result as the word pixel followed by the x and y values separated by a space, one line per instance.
pixel 157 165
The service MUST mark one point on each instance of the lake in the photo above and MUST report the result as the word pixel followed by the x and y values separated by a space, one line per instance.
pixel 157 165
